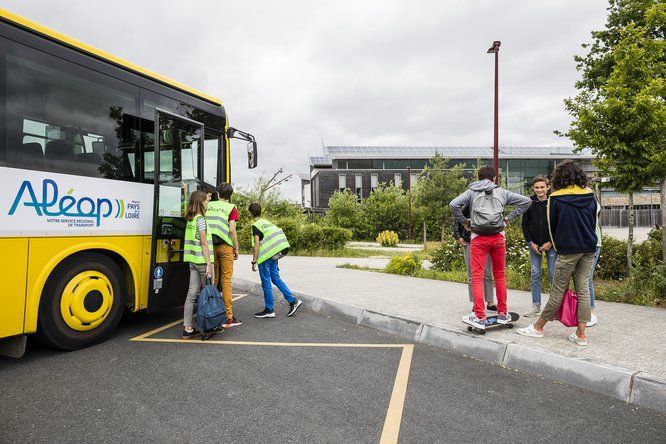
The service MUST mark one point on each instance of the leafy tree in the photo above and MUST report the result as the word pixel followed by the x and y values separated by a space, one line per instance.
pixel 273 203
pixel 345 211
pixel 437 186
pixel 620 111
pixel 386 209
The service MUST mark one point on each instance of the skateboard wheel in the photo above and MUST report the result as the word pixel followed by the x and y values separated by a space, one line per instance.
pixel 483 332
pixel 509 325
pixel 469 328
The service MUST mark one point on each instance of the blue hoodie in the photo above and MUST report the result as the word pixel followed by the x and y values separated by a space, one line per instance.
pixel 572 220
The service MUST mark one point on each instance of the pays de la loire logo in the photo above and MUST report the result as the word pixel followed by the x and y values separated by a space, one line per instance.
pixel 52 204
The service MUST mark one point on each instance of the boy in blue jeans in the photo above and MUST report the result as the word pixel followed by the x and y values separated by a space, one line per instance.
pixel 537 236
pixel 269 246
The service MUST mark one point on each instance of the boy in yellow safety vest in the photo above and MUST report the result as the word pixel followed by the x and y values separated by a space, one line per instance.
pixel 222 216
pixel 269 246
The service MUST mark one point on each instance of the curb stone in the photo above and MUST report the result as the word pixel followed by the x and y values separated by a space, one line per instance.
pixel 398 326
pixel 474 346
pixel 635 387
pixel 602 378
pixel 649 390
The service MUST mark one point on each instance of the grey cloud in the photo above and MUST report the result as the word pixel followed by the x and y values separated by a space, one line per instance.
pixel 370 72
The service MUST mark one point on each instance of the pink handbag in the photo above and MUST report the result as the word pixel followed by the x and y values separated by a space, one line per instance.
pixel 567 314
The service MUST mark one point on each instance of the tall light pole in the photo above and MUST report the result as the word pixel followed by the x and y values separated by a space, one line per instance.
pixel 495 49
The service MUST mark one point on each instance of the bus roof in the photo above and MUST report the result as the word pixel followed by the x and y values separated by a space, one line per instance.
pixel 98 53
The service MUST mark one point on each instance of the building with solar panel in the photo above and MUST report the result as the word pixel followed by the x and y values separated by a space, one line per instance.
pixel 361 169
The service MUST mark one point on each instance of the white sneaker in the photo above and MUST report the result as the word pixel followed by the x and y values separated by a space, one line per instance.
pixel 593 321
pixel 573 337
pixel 534 311
pixel 530 331
pixel 474 321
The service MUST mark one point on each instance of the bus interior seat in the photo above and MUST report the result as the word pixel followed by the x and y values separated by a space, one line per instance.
pixel 29 155
pixel 58 149
pixel 99 148
pixel 32 149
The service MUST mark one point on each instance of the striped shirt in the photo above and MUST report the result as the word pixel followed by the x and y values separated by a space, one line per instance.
pixel 201 227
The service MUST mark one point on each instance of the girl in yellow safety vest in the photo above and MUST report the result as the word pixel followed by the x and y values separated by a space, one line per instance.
pixel 196 251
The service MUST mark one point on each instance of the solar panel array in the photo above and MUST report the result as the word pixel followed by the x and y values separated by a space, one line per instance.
pixel 320 160
pixel 342 152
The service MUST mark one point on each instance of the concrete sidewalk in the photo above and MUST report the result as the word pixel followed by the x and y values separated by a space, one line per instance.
pixel 625 358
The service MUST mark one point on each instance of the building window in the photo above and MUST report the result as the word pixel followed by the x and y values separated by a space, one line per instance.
pixel 359 164
pixel 342 182
pixel 413 178
pixel 316 192
pixel 358 185
pixel 398 180
pixel 374 181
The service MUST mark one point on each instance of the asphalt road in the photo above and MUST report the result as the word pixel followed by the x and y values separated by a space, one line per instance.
pixel 149 391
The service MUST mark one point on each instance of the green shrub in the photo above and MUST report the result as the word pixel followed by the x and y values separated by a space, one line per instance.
pixel 335 238
pixel 388 238
pixel 647 254
pixel 302 237
pixel 344 211
pixel 449 256
pixel 642 287
pixel 517 251
pixel 407 264
pixel 386 209
pixel 612 260
pixel 655 234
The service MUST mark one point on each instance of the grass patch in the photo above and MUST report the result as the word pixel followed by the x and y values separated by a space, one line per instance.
pixel 356 253
pixel 628 291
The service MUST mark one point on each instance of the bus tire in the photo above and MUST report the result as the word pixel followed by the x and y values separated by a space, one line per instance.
pixel 82 302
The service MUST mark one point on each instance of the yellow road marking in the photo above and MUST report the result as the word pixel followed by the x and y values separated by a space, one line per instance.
pixel 393 419
pixel 157 330
pixel 144 338
pixel 164 327
pixel 394 414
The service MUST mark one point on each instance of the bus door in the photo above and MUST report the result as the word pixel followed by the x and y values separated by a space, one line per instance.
pixel 179 160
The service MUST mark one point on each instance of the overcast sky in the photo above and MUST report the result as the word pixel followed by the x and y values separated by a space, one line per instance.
pixel 294 73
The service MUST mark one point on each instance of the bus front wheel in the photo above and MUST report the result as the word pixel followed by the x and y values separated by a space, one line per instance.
pixel 82 302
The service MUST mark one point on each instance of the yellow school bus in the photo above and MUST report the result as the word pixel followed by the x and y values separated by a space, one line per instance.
pixel 97 158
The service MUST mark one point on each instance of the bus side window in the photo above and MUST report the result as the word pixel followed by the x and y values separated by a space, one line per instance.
pixel 64 118
pixel 211 159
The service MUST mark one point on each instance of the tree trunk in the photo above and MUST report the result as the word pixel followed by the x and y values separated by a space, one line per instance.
pixel 663 219
pixel 630 239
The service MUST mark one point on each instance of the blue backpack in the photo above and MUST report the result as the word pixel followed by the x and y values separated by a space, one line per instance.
pixel 211 312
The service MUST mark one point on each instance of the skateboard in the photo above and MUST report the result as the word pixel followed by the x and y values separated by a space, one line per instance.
pixel 493 323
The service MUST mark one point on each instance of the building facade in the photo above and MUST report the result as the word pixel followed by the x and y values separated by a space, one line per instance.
pixel 361 169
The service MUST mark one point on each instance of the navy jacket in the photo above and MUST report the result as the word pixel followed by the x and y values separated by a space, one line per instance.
pixel 572 220
pixel 535 222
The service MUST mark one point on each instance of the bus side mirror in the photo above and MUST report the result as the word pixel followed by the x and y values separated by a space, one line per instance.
pixel 252 155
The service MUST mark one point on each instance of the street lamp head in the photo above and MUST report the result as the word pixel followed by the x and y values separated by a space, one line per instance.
pixel 495 47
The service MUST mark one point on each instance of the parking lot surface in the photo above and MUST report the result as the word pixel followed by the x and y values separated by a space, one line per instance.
pixel 309 378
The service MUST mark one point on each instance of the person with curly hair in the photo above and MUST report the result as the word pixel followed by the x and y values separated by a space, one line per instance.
pixel 572 221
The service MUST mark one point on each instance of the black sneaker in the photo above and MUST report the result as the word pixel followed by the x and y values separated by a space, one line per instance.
pixel 492 307
pixel 191 334
pixel 265 314
pixel 293 306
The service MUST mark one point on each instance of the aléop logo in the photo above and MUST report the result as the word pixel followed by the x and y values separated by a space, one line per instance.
pixel 72 210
